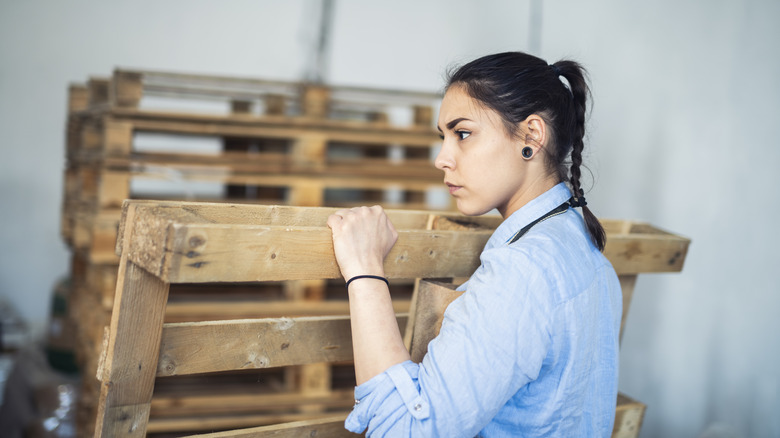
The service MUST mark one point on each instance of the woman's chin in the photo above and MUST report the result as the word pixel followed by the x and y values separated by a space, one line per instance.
pixel 471 210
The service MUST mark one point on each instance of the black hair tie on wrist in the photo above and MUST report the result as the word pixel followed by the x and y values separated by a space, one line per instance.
pixel 375 277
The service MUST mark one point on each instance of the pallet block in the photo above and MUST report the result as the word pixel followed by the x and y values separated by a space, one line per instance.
pixel 163 243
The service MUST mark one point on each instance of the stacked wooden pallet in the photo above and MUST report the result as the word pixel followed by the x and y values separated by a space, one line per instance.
pixel 168 243
pixel 157 135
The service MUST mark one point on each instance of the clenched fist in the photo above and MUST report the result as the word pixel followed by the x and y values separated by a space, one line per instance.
pixel 362 238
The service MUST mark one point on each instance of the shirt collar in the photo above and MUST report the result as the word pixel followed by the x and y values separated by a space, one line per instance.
pixel 528 213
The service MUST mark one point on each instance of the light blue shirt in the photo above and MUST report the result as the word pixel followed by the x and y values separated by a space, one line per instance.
pixel 530 349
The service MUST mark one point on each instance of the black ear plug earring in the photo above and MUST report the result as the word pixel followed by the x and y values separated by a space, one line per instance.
pixel 527 152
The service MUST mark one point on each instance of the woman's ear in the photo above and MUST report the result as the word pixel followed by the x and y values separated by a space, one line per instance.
pixel 535 130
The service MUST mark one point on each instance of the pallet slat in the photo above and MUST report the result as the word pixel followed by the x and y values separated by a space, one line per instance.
pixel 211 346
pixel 196 248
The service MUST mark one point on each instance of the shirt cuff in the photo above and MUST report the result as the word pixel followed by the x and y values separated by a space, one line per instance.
pixel 385 393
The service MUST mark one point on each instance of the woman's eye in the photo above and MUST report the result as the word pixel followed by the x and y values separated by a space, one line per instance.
pixel 441 136
pixel 463 134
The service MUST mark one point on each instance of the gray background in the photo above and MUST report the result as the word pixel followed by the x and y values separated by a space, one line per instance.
pixel 682 135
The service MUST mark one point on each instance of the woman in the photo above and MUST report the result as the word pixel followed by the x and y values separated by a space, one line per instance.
pixel 531 347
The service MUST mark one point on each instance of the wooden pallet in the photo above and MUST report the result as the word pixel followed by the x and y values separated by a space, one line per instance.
pixel 306 115
pixel 127 88
pixel 281 143
pixel 165 243
pixel 296 157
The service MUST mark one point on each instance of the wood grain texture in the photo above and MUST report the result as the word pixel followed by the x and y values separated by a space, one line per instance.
pixel 180 405
pixel 432 299
pixel 274 126
pixel 324 427
pixel 180 245
pixel 627 283
pixel 131 354
pixel 192 348
pixel 628 417
pixel 204 245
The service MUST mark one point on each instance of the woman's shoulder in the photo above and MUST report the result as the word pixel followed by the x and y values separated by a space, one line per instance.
pixel 557 250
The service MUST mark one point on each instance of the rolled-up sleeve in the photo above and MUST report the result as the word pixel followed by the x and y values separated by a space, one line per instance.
pixel 472 368
pixel 382 402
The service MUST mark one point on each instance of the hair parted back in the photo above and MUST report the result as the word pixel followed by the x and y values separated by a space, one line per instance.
pixel 516 85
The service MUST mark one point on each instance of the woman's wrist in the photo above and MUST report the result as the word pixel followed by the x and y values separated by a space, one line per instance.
pixel 365 269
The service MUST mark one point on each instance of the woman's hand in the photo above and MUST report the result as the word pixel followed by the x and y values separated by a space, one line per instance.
pixel 362 238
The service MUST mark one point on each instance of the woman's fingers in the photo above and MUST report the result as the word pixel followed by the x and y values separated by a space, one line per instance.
pixel 362 238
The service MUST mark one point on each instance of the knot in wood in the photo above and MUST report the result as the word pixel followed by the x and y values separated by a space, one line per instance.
pixel 196 241
pixel 167 366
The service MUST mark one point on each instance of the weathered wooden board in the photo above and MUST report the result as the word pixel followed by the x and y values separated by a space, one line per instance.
pixel 227 403
pixel 183 242
pixel 324 427
pixel 628 417
pixel 214 311
pixel 131 354
pixel 200 347
pixel 429 303
pixel 180 245
pixel 269 127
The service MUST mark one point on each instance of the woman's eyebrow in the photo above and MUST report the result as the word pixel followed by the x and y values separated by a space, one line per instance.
pixel 451 124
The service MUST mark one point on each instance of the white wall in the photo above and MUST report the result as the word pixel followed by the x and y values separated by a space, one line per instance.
pixel 686 104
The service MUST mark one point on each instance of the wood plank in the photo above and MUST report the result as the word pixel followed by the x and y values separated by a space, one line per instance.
pixel 131 355
pixel 280 215
pixel 248 403
pixel 643 252
pixel 194 84
pixel 207 253
pixel 628 417
pixel 200 347
pixel 204 252
pixel 627 283
pixel 325 427
pixel 203 311
pixel 432 299
pixel 274 126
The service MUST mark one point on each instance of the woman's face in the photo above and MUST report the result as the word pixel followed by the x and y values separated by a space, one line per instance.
pixel 483 166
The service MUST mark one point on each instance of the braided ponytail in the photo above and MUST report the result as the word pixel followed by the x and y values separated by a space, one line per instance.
pixel 573 73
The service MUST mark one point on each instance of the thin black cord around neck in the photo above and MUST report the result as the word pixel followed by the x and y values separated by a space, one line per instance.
pixel 554 212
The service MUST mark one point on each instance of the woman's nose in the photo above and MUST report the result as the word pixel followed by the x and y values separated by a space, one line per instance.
pixel 444 159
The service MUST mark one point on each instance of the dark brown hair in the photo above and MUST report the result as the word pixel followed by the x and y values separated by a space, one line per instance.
pixel 516 85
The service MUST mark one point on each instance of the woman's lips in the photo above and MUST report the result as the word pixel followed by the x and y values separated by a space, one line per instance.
pixel 453 188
